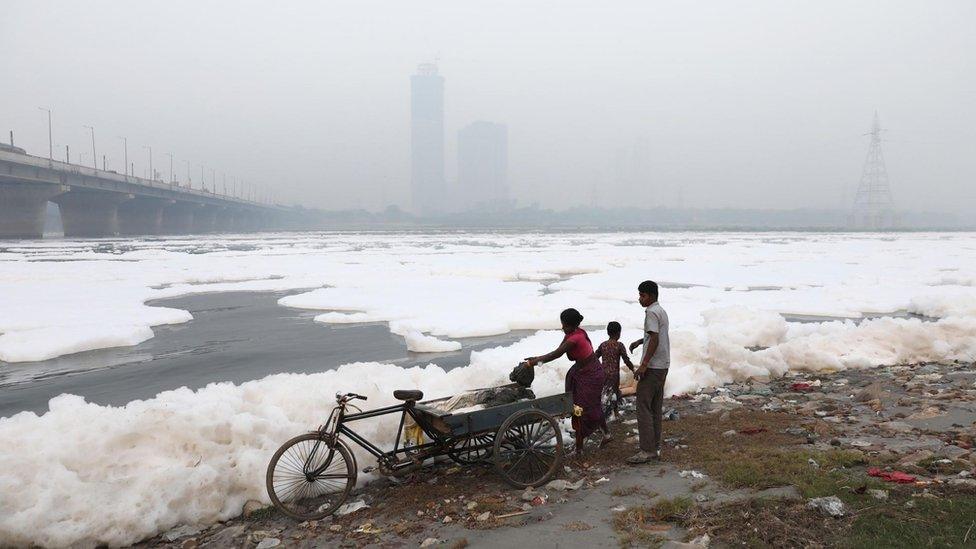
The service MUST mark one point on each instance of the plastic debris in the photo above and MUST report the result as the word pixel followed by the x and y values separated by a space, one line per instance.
pixel 601 480
pixel 692 474
pixel 880 495
pixel 892 476
pixel 830 506
pixel 368 528
pixel 268 543
pixel 430 542
pixel 351 507
pixel 560 484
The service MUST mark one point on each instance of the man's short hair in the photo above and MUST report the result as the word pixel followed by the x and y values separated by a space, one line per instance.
pixel 648 287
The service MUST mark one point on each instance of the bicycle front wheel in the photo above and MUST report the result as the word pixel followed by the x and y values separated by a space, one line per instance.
pixel 310 476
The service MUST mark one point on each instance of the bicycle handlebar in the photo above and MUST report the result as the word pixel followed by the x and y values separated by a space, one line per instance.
pixel 348 396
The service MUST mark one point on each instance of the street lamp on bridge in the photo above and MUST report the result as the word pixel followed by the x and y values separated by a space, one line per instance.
pixel 94 156
pixel 125 153
pixel 170 155
pixel 152 174
pixel 50 135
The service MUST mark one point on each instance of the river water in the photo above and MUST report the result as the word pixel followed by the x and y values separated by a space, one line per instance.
pixel 234 336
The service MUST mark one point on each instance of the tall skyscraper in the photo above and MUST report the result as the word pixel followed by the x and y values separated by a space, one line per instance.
pixel 427 140
pixel 483 165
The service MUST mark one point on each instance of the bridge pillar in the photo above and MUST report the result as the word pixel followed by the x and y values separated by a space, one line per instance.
pixel 205 219
pixel 87 213
pixel 178 217
pixel 23 209
pixel 226 220
pixel 142 216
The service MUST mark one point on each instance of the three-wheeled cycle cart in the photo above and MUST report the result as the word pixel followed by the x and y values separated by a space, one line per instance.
pixel 311 475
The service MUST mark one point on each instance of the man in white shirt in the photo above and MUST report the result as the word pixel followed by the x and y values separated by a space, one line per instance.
pixel 651 373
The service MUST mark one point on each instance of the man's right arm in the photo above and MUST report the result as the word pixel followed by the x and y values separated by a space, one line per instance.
pixel 636 344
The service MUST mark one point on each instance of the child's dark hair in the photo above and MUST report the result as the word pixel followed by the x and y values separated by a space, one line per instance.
pixel 613 329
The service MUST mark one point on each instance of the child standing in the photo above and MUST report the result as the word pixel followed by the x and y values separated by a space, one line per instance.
pixel 610 353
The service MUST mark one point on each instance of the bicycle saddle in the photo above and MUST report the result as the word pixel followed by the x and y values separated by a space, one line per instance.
pixel 404 394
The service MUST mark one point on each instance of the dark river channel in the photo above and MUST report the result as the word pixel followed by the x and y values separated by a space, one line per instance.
pixel 234 336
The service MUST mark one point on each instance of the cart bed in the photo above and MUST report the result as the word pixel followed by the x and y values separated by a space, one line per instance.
pixel 456 424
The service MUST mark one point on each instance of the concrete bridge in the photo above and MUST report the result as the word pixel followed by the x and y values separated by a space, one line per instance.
pixel 104 203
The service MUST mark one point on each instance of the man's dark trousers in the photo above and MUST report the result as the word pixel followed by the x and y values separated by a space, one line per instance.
pixel 650 403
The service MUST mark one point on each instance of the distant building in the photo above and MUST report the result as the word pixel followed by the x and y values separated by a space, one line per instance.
pixel 427 140
pixel 483 166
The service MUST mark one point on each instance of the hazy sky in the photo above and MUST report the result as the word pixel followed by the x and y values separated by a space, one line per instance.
pixel 740 104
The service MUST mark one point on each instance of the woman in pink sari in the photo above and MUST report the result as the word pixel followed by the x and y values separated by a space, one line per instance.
pixel 584 380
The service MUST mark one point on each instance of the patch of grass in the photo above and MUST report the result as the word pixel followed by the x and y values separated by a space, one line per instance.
pixel 943 465
pixel 641 526
pixel 633 491
pixel 262 514
pixel 670 509
pixel 946 521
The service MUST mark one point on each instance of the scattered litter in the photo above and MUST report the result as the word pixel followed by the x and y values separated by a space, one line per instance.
pixel 368 528
pixel 618 509
pixel 860 443
pixel 801 387
pixel 447 519
pixel 723 399
pixel 180 532
pixel 692 474
pixel 351 507
pixel 515 514
pixel 892 476
pixel 268 543
pixel 729 433
pixel 880 495
pixel 471 505
pixel 483 516
pixel 830 506
pixel 430 542
pixel 601 480
pixel 813 463
pixel 672 415
pixel 560 484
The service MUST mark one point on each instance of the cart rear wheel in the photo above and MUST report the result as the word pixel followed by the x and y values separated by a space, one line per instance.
pixel 309 477
pixel 472 450
pixel 528 449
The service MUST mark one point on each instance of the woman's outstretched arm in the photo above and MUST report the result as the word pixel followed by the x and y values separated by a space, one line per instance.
pixel 563 348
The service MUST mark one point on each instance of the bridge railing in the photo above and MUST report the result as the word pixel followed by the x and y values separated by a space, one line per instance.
pixel 57 165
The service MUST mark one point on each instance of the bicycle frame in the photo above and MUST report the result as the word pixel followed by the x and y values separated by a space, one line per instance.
pixel 336 425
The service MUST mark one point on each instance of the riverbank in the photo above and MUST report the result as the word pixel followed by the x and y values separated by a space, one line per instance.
pixel 745 463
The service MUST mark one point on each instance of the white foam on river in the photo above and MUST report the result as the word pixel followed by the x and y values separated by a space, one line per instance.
pixel 88 474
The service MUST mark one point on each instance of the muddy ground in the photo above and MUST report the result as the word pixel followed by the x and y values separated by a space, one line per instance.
pixel 799 461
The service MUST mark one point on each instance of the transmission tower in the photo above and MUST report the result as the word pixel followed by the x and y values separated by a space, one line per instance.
pixel 873 207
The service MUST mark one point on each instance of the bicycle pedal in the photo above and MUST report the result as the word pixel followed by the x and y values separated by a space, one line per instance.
pixel 369 469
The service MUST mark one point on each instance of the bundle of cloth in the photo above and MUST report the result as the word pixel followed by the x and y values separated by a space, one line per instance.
pixel 478 399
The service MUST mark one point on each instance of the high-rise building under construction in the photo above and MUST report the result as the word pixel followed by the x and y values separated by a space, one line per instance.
pixel 427 182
